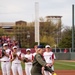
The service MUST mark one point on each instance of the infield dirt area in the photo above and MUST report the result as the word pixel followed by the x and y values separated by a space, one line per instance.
pixel 65 72
pixel 59 72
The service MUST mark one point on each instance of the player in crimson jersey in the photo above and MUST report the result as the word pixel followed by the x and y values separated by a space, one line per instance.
pixel 35 47
pixel 49 57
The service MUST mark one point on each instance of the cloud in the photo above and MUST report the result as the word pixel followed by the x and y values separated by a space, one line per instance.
pixel 12 10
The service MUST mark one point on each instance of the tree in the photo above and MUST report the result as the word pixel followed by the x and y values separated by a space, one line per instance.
pixel 66 41
pixel 50 29
pixel 1 31
pixel 24 33
pixel 48 40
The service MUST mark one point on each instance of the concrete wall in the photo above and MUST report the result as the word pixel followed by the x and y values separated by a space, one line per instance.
pixel 65 56
pixel 72 54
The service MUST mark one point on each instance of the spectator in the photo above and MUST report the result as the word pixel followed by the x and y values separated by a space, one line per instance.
pixel 65 50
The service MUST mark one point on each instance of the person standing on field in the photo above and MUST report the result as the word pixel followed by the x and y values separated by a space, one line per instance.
pixel 39 62
pixel 28 64
pixel 16 58
pixel 35 47
pixel 5 62
pixel 49 57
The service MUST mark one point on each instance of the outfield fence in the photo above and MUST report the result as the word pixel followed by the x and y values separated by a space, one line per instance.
pixel 63 50
pixel 61 54
pixel 55 50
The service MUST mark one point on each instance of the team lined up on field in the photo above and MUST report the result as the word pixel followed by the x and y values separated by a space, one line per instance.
pixel 12 60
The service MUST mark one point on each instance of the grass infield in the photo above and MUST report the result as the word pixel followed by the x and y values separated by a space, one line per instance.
pixel 64 65
pixel 60 65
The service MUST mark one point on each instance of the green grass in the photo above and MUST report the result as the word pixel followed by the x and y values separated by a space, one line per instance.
pixel 23 65
pixel 59 65
pixel 63 65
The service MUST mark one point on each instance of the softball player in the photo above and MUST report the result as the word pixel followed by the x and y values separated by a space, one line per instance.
pixel 35 47
pixel 49 58
pixel 28 65
pixel 5 62
pixel 15 58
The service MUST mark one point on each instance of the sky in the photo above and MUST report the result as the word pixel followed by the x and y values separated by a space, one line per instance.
pixel 15 10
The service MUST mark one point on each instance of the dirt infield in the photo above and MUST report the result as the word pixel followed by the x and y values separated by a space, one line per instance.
pixel 65 72
pixel 59 72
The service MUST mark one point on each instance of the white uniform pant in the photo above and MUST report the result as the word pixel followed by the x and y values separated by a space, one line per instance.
pixel 47 72
pixel 5 66
pixel 17 68
pixel 28 69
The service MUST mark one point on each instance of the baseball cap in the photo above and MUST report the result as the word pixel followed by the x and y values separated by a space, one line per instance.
pixel 5 44
pixel 40 46
pixel 47 46
pixel 14 47
pixel 28 49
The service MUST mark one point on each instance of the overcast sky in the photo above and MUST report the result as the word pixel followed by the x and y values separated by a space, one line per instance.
pixel 14 10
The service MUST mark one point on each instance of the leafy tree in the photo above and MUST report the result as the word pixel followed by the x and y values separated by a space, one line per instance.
pixel 24 34
pixel 51 30
pixel 66 41
pixel 47 40
pixel 1 31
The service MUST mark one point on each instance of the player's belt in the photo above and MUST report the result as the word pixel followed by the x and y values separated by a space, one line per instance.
pixel 4 61
pixel 28 64
pixel 16 63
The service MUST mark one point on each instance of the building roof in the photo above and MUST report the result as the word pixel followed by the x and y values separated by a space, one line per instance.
pixel 53 16
pixel 2 24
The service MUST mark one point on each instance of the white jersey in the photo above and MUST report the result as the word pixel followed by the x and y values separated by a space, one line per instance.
pixel 34 54
pixel 16 60
pixel 54 56
pixel 48 56
pixel 5 58
pixel 30 57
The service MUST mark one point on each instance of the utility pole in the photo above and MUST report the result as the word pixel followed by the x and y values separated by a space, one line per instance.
pixel 72 28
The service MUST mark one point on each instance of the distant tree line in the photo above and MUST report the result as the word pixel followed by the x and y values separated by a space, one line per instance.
pixel 49 32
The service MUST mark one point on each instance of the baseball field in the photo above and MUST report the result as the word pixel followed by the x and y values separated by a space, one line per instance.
pixel 62 67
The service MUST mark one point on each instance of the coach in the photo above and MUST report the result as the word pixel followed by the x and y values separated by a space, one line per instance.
pixel 39 62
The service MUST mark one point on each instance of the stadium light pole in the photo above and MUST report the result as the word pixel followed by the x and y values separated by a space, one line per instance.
pixel 72 27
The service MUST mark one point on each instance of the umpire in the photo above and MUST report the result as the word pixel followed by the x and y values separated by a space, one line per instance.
pixel 39 62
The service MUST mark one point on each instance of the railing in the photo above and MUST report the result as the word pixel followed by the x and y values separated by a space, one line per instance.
pixel 63 50
pixel 55 50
